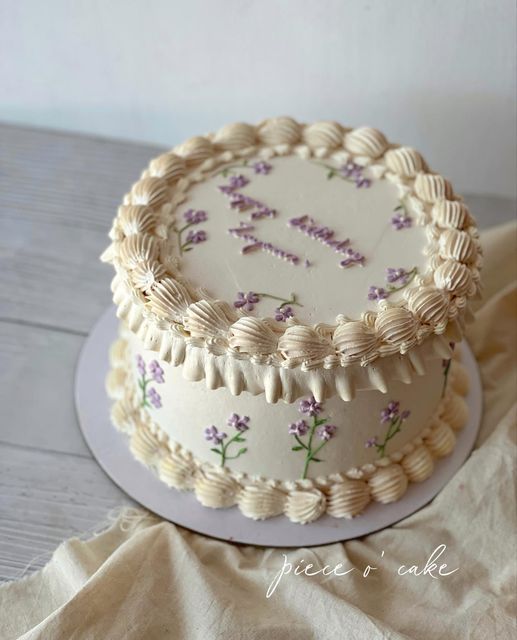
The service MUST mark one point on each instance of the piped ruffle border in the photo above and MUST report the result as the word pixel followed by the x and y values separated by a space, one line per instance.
pixel 341 495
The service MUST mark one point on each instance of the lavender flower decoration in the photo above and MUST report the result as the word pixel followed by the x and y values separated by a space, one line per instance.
pixel 310 407
pixel 319 428
pixel 237 422
pixel 298 428
pixel 237 182
pixel 394 418
pixel 283 313
pixel 262 167
pixel 150 397
pixel 246 300
pixel 396 280
pixel 351 172
pixel 191 218
pixel 371 442
pixel 196 237
pixel 195 217
pixel 213 435
pixel 156 372
pixel 377 293
pixel 401 220
pixel 154 398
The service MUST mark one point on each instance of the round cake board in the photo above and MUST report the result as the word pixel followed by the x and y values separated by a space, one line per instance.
pixel 111 450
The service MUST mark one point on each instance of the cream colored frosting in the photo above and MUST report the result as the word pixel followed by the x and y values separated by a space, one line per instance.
pixel 168 307
pixel 341 495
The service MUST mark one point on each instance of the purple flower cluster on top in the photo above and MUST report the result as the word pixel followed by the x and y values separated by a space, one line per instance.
pixel 283 313
pixel 399 275
pixel 299 428
pixel 262 167
pixel 377 293
pixel 246 300
pixel 401 221
pixel 196 237
pixel 195 217
pixel 354 172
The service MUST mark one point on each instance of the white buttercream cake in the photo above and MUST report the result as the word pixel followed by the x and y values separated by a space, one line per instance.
pixel 290 297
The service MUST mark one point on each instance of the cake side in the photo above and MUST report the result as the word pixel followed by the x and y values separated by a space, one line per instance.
pixel 273 460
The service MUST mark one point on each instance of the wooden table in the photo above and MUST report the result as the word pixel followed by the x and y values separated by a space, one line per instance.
pixel 58 194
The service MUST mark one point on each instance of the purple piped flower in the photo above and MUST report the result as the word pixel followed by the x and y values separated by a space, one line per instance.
pixel 351 170
pixel 239 201
pixel 310 407
pixel 154 398
pixel 156 372
pixel 354 172
pixel 396 275
pixel 213 435
pixel 140 365
pixel 391 412
pixel 371 442
pixel 237 182
pixel 195 217
pixel 299 428
pixel 246 300
pixel 238 422
pixel 326 431
pixel 283 313
pixel 196 237
pixel 401 221
pixel 405 415
pixel 262 167
pixel 377 293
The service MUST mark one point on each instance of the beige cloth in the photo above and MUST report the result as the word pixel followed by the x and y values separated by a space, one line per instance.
pixel 146 578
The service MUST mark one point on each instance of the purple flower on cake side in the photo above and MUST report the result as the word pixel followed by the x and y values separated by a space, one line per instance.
pixel 212 434
pixel 191 218
pixel 317 428
pixel 150 397
pixel 260 167
pixel 394 418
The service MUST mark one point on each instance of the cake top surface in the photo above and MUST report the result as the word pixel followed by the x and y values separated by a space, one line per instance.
pixel 296 245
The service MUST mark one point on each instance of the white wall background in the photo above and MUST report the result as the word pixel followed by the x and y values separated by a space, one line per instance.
pixel 436 74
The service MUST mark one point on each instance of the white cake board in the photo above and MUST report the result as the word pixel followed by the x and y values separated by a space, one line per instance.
pixel 111 449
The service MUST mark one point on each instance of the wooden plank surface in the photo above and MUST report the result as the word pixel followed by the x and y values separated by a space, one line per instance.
pixel 58 194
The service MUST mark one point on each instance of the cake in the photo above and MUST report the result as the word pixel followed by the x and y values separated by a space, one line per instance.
pixel 290 300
